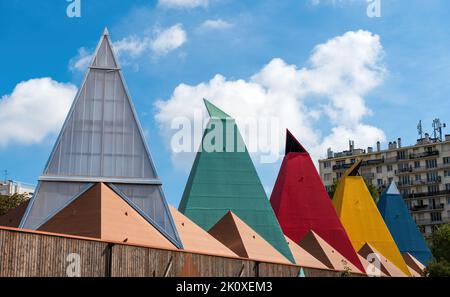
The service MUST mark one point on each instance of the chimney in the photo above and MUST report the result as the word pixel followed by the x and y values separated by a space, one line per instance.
pixel 399 140
pixel 370 150
pixel 329 153
pixel 351 145
pixel 378 146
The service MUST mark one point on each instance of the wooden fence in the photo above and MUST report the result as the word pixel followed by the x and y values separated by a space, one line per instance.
pixel 30 254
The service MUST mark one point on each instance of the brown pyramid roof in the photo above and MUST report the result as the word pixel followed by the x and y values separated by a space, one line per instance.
pixel 101 213
pixel 303 258
pixel 244 241
pixel 197 240
pixel 325 253
pixel 413 264
pixel 386 266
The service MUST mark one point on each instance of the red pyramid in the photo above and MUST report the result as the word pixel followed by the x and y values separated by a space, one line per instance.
pixel 301 202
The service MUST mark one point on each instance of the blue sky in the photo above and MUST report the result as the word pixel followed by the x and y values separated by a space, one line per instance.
pixel 38 40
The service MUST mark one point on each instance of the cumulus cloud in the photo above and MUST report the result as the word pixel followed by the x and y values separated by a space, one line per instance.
pixel 35 109
pixel 183 3
pixel 330 89
pixel 169 39
pixel 160 42
pixel 217 24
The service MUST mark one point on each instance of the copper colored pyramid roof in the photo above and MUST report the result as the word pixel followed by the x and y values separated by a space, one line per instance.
pixel 101 213
pixel 414 265
pixel 386 266
pixel 303 258
pixel 324 252
pixel 195 239
pixel 244 241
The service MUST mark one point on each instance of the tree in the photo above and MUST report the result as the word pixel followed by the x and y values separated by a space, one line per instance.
pixel 440 247
pixel 372 190
pixel 10 202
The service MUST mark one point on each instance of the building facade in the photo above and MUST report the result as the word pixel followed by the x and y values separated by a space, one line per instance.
pixel 421 171
pixel 11 187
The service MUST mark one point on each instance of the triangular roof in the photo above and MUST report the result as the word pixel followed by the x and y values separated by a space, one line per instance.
pixel 101 213
pixel 301 202
pixel 195 239
pixel 225 179
pixel 401 225
pixel 303 258
pixel 386 266
pixel 101 141
pixel 414 264
pixel 214 111
pixel 329 256
pixel 362 220
pixel 244 241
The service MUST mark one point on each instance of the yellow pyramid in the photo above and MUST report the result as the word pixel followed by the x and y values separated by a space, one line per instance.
pixel 361 218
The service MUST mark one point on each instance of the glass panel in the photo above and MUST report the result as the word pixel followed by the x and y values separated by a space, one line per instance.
pixel 149 200
pixel 50 198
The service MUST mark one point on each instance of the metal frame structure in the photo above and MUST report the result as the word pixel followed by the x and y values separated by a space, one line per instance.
pixel 95 170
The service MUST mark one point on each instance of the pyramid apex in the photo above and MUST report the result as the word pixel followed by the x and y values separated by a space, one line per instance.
pixel 392 189
pixel 292 144
pixel 353 171
pixel 105 31
pixel 214 111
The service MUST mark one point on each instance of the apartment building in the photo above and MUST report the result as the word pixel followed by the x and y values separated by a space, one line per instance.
pixel 422 173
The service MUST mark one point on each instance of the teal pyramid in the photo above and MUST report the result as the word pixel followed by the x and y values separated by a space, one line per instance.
pixel 223 178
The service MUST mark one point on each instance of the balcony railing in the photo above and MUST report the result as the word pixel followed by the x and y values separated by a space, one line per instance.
pixel 427 194
pixel 413 183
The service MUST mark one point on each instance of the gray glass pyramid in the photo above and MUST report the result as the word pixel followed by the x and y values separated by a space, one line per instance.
pixel 101 141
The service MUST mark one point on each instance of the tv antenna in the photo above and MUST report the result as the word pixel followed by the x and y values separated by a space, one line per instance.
pixel 419 129
pixel 437 128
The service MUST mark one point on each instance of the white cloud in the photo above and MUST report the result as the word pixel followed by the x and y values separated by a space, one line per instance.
pixel 132 47
pixel 215 25
pixel 183 3
pixel 81 61
pixel 169 39
pixel 35 109
pixel 329 90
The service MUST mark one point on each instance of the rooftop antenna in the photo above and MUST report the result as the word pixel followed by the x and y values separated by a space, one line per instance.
pixel 5 174
pixel 419 129
pixel 437 128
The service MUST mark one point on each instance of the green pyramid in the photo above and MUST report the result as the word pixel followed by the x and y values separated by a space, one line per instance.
pixel 225 179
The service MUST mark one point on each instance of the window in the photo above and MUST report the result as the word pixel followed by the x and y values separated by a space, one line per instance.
pixel 404 180
pixel 431 163
pixel 352 161
pixel 416 164
pixel 446 160
pixel 389 168
pixel 341 162
pixel 379 182
pixel 390 179
pixel 338 175
pixel 447 187
pixel 327 164
pixel 401 155
pixel 418 177
pixel 379 169
pixel 433 189
pixel 436 216
pixel 446 173
pixel 432 176
pixel 327 176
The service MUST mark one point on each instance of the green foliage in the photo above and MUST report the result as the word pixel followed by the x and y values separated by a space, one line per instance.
pixel 440 248
pixel 10 202
pixel 372 190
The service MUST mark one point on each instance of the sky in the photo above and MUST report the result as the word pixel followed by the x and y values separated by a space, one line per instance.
pixel 322 68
